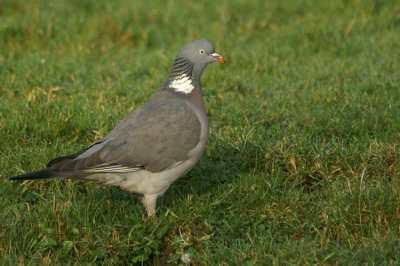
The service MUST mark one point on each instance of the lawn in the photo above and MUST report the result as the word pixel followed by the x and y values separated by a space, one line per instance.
pixel 303 161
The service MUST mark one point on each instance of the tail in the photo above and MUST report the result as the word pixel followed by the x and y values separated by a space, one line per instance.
pixel 41 174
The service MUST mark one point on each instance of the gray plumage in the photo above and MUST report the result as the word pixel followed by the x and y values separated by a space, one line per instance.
pixel 153 145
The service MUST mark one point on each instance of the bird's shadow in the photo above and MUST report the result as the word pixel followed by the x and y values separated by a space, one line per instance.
pixel 222 164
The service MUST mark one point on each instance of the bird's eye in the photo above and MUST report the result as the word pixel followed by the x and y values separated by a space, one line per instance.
pixel 201 51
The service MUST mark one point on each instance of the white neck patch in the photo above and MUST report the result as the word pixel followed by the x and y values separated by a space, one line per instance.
pixel 182 83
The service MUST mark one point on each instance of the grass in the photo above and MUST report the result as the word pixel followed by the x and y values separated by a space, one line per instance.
pixel 303 161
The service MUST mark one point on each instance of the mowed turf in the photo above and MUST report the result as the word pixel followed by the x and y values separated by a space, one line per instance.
pixel 303 161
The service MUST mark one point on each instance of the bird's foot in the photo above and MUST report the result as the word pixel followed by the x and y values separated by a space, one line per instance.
pixel 150 217
pixel 149 202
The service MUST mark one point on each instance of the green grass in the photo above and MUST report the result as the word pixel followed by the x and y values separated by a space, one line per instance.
pixel 303 161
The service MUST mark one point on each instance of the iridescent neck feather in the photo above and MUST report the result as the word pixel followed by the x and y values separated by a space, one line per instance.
pixel 181 78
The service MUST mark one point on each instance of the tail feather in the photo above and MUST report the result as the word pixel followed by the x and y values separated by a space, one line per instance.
pixel 41 174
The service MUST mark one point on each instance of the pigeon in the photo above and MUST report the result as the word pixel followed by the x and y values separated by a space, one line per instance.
pixel 156 143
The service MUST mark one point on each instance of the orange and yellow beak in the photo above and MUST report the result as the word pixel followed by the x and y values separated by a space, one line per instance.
pixel 218 57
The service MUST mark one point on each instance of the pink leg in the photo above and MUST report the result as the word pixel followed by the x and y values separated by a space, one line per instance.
pixel 149 202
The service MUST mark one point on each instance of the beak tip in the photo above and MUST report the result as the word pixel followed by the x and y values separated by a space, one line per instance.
pixel 218 57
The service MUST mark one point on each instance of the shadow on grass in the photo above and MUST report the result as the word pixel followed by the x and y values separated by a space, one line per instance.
pixel 222 164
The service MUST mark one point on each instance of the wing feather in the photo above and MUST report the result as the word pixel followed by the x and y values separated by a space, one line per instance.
pixel 159 138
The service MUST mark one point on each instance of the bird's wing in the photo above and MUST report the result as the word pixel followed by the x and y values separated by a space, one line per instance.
pixel 159 138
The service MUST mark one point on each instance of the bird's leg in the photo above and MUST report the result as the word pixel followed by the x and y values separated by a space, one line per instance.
pixel 149 202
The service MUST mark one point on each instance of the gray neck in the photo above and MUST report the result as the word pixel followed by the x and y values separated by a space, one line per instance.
pixel 189 87
pixel 184 76
pixel 181 67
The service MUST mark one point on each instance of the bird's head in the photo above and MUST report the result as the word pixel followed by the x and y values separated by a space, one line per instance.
pixel 189 64
pixel 200 52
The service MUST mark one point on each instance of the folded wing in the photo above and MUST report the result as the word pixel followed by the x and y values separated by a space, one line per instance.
pixel 159 138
